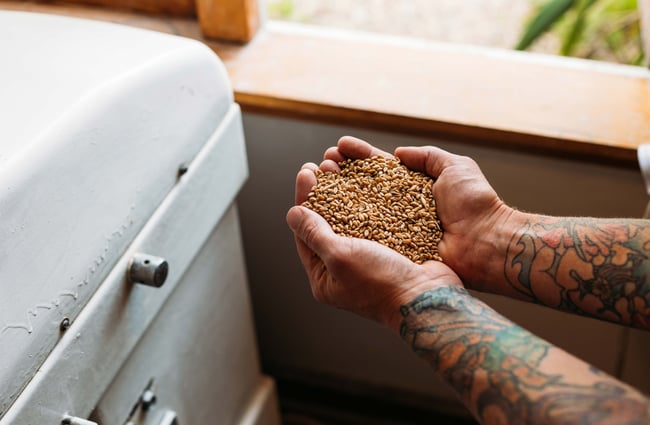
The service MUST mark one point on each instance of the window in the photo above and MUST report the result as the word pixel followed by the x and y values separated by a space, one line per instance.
pixel 598 29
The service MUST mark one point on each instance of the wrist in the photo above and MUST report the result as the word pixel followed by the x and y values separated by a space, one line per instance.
pixel 395 316
pixel 434 307
pixel 483 264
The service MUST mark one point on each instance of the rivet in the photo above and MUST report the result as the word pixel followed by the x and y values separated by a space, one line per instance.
pixel 182 169
pixel 148 399
pixel 64 325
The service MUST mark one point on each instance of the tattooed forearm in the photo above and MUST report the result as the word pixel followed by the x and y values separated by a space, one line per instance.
pixel 598 268
pixel 501 371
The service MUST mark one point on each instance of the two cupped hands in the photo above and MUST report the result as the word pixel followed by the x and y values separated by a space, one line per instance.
pixel 372 280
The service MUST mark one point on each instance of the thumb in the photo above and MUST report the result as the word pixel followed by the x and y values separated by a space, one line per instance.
pixel 311 229
pixel 427 159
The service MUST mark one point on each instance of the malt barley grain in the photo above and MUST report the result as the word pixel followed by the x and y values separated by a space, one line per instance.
pixel 380 199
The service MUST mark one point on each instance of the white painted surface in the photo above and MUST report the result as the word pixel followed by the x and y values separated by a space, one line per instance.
pixel 299 336
pixel 93 349
pixel 263 406
pixel 96 118
pixel 201 349
pixel 643 155
pixel 51 63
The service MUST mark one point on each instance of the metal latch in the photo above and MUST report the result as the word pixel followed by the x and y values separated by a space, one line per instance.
pixel 148 270
pixel 144 412
pixel 73 420
pixel 168 417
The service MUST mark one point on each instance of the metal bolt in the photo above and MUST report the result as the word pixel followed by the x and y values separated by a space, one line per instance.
pixel 148 270
pixel 64 325
pixel 148 399
pixel 182 169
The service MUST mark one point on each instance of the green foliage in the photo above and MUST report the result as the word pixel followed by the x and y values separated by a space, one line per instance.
pixel 281 9
pixel 577 29
pixel 596 29
pixel 547 15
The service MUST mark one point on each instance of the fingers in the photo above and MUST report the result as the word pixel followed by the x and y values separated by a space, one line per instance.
pixel 329 165
pixel 312 230
pixel 306 178
pixel 427 159
pixel 348 147
pixel 351 147
pixel 333 154
pixel 305 181
pixel 309 166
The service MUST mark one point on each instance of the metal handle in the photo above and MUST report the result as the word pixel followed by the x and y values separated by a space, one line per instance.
pixel 168 418
pixel 73 420
pixel 148 270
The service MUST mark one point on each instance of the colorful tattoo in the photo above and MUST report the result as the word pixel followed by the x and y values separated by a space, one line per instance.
pixel 597 268
pixel 494 366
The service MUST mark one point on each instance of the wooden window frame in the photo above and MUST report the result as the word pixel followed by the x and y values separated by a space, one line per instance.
pixel 227 20
pixel 573 108
pixel 232 20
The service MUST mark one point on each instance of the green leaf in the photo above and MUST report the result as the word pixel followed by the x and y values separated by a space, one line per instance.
pixel 282 9
pixel 548 15
pixel 577 28
pixel 621 5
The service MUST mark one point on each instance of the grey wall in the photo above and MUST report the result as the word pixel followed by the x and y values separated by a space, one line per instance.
pixel 297 334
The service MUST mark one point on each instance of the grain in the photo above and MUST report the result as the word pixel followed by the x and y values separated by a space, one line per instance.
pixel 380 199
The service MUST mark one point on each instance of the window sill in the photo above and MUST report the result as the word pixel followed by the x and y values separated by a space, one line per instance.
pixel 557 106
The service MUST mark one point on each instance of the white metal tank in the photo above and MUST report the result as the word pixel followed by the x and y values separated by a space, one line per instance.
pixel 121 270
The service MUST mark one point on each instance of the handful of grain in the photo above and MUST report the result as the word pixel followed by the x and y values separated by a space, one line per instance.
pixel 381 200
